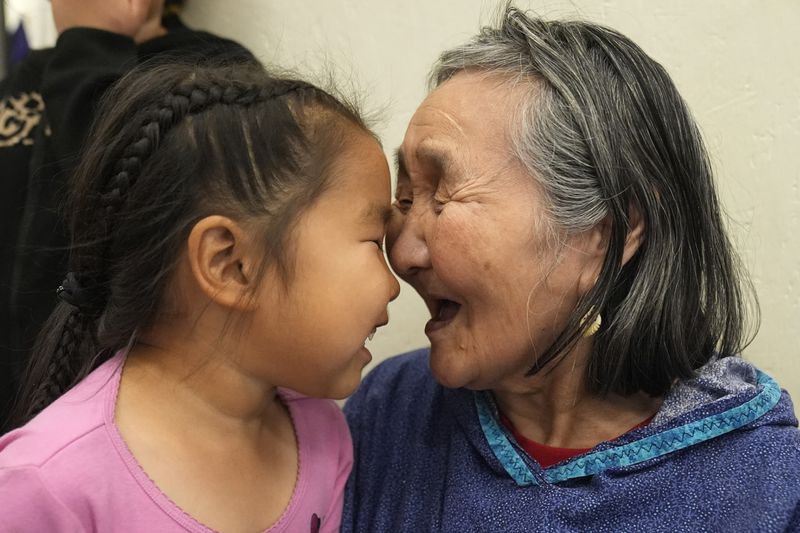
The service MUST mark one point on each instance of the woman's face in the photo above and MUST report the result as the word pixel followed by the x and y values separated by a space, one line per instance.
pixel 469 234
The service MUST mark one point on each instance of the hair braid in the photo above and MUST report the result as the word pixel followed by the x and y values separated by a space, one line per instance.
pixel 59 375
pixel 88 289
pixel 186 99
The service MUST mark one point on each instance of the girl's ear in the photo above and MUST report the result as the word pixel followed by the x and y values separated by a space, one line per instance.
pixel 222 262
pixel 598 245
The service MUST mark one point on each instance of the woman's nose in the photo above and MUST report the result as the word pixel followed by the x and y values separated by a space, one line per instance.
pixel 406 245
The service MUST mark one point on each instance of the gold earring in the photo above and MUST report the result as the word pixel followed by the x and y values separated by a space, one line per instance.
pixel 594 327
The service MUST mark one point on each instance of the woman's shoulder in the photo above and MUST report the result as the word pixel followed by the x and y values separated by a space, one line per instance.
pixel 730 427
pixel 398 397
pixel 408 371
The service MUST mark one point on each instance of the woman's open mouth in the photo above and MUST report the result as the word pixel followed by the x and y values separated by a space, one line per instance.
pixel 444 311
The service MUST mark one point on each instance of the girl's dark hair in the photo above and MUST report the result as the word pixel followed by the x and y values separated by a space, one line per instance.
pixel 175 143
pixel 604 131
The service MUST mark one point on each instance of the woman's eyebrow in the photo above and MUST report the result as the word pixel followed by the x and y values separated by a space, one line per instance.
pixel 436 156
pixel 400 162
pixel 430 154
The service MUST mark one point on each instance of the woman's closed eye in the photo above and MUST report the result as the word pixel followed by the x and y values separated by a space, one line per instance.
pixel 438 203
pixel 403 203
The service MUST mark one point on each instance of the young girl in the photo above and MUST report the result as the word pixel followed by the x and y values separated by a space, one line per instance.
pixel 226 269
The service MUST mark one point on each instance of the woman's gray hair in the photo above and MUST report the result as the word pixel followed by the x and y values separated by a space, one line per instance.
pixel 607 136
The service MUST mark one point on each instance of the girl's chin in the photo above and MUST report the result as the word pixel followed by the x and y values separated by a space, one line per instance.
pixel 344 390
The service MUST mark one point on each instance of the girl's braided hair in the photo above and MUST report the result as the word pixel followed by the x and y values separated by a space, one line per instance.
pixel 175 143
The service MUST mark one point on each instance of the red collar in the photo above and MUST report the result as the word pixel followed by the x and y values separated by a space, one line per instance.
pixel 549 455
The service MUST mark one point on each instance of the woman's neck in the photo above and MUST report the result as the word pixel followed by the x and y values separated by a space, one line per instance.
pixel 555 407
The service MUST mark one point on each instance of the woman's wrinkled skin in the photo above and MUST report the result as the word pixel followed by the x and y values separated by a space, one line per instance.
pixel 470 228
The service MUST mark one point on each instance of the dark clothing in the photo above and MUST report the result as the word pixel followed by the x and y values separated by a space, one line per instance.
pixel 47 106
pixel 721 454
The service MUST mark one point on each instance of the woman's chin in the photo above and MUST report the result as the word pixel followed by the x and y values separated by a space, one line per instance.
pixel 451 370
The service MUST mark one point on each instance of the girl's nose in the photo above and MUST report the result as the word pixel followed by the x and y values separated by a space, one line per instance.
pixel 394 290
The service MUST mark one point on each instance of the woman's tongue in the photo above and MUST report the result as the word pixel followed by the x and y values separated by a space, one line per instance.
pixel 446 312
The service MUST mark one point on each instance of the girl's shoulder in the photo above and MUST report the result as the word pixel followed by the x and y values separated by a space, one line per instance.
pixel 67 426
pixel 51 466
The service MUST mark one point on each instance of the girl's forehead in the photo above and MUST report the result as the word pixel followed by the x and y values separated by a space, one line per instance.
pixel 361 170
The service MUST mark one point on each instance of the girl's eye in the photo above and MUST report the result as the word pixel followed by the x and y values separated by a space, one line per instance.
pixel 379 244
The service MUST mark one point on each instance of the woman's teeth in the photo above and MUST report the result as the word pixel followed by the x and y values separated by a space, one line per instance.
pixel 371 335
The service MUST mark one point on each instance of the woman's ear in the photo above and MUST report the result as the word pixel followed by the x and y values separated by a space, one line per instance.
pixel 635 236
pixel 222 261
pixel 597 246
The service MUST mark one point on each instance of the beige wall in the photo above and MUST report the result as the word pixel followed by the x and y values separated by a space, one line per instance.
pixel 735 61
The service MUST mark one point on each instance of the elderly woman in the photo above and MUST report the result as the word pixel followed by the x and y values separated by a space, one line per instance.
pixel 556 211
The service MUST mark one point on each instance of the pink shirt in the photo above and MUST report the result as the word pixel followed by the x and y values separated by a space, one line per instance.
pixel 68 469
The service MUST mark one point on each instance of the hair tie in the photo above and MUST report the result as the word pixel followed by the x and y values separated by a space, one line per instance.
pixel 74 293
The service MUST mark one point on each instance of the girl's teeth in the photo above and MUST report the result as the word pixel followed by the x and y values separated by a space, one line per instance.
pixel 371 335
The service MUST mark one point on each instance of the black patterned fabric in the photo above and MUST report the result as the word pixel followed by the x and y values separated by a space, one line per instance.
pixel 47 107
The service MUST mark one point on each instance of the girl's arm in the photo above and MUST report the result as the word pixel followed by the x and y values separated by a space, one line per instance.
pixel 28 505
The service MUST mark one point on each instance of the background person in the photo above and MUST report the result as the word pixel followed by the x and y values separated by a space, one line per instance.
pixel 48 104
